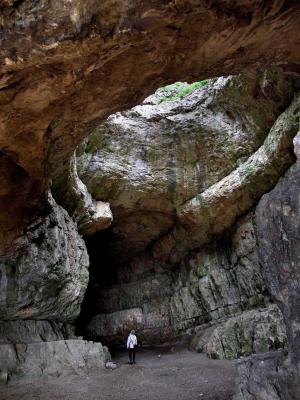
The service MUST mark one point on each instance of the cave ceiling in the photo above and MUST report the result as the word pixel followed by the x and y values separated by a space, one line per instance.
pixel 67 65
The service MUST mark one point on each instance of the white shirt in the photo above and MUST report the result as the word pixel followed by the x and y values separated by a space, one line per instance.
pixel 131 341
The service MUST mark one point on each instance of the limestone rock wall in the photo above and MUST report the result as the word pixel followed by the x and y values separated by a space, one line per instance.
pixel 254 331
pixel 156 162
pixel 90 215
pixel 277 217
pixel 190 168
pixel 42 284
pixel 47 274
pixel 209 213
pixel 31 331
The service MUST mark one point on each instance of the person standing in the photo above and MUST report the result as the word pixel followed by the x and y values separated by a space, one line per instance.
pixel 131 346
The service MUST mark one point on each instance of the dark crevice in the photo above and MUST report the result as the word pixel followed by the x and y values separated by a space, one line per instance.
pixel 103 273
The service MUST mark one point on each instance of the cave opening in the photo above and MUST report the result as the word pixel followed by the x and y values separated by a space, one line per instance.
pixel 168 199
pixel 103 274
pixel 172 267
pixel 178 217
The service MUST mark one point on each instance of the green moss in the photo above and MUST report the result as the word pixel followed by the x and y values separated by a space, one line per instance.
pixel 178 90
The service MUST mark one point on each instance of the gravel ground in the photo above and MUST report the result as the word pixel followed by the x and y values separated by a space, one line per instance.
pixel 158 374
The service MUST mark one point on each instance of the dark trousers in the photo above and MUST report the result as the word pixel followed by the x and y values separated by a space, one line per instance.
pixel 131 353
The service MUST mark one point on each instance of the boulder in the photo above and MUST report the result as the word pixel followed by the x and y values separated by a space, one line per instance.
pixel 254 331
pixel 28 361
pixel 111 365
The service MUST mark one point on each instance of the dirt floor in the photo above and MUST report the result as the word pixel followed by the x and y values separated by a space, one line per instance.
pixel 165 375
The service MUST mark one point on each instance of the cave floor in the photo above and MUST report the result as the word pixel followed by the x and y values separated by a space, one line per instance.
pixel 158 374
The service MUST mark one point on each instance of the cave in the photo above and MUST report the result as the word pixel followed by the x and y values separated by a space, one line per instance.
pixel 149 155
pixel 149 161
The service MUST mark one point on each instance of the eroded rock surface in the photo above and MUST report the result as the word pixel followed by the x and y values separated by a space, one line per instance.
pixel 216 208
pixel 90 215
pixel 254 331
pixel 277 221
pixel 179 165
pixel 31 331
pixel 42 284
pixel 47 274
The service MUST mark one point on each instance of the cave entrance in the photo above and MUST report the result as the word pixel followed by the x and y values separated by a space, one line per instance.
pixel 103 276
pixel 160 268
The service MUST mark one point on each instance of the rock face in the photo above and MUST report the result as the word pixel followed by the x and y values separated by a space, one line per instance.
pixel 215 209
pixel 42 284
pixel 65 66
pixel 174 165
pixel 254 331
pixel 278 214
pixel 32 331
pixel 91 216
pixel 265 378
pixel 277 221
pixel 47 274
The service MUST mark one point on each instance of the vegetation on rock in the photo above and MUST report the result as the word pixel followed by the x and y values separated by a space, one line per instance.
pixel 178 90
